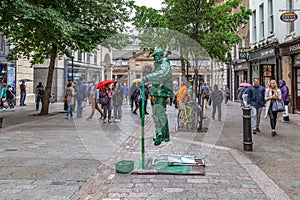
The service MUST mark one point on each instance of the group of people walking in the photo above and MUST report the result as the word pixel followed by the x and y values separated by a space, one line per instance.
pixel 255 97
pixel 259 97
pixel 105 100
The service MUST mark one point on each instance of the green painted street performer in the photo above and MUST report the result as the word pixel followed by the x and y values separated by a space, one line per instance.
pixel 162 88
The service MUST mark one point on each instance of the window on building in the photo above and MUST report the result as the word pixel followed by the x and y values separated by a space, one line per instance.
pixel 254 26
pixel 88 58
pixel 271 17
pixel 291 24
pixel 243 42
pixel 236 52
pixel 79 56
pixel 262 23
pixel 95 57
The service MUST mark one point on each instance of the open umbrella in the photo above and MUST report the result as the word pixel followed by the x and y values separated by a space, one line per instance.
pixel 103 83
pixel 25 80
pixel 138 80
pixel 245 84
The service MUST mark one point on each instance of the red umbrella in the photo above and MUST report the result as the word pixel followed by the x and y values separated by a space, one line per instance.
pixel 103 83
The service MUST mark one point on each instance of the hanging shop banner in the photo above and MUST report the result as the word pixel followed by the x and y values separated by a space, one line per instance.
pixel 11 76
pixel 288 17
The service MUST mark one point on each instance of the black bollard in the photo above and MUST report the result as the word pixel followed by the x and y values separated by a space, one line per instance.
pixel 247 129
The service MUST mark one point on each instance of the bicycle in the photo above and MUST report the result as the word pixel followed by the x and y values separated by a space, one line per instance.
pixel 187 117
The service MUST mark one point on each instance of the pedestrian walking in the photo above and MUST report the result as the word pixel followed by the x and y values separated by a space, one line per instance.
pixel 256 100
pixel 138 100
pixel 70 96
pixel 132 99
pixel 22 94
pixel 286 99
pixel 216 98
pixel 94 96
pixel 81 95
pixel 226 92
pixel 105 95
pixel 272 95
pixel 205 92
pixel 125 93
pixel 91 90
pixel 117 99
pixel 39 92
pixel 3 96
pixel 10 97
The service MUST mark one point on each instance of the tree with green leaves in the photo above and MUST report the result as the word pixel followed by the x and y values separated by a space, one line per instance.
pixel 210 23
pixel 42 29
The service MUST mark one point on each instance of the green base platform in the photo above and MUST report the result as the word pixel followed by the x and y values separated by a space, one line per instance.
pixel 170 165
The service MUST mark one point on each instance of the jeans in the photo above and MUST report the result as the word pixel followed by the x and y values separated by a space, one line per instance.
pixel 255 117
pixel 69 111
pixel 37 104
pixel 226 98
pixel 11 103
pixel 22 98
pixel 79 107
pixel 107 110
pixel 273 117
pixel 117 111
pixel 216 106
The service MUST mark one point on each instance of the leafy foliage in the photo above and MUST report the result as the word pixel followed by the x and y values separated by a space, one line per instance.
pixel 211 23
pixel 43 29
pixel 36 25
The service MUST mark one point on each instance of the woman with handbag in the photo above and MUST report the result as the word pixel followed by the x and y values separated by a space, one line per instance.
pixel 272 96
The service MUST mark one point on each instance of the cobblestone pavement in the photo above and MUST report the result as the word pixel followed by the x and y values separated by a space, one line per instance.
pixel 49 157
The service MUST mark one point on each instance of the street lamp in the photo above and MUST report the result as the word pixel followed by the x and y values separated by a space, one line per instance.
pixel 72 63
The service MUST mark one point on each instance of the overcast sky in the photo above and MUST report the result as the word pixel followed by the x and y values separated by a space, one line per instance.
pixel 149 3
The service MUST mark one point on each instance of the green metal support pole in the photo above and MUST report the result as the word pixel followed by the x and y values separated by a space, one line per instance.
pixel 143 124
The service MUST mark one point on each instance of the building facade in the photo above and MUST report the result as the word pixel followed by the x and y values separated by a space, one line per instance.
pixel 274 44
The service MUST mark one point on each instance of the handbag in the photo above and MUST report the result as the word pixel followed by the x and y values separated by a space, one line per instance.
pixel 3 99
pixel 278 106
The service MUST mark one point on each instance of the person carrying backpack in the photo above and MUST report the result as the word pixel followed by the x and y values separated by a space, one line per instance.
pixel 40 92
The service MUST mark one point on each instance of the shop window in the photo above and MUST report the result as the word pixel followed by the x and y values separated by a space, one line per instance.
pixel 268 74
pixel 297 60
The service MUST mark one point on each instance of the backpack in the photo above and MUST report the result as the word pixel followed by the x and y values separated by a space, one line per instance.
pixel 41 91
pixel 103 97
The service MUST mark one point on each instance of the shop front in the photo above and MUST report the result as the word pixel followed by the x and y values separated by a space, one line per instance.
pixel 241 75
pixel 290 54
pixel 264 65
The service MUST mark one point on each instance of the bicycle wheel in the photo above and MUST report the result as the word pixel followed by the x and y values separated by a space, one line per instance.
pixel 192 124
pixel 177 122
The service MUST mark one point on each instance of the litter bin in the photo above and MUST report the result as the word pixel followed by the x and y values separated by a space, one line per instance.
pixel 1 121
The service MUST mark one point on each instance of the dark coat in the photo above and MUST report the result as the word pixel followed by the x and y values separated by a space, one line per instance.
pixel 256 96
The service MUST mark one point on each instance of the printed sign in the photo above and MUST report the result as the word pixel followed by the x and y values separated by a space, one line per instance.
pixel 288 17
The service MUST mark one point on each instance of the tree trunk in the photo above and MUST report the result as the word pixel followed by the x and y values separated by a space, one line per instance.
pixel 46 99
pixel 182 62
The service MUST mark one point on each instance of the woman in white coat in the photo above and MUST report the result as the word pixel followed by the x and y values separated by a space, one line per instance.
pixel 272 94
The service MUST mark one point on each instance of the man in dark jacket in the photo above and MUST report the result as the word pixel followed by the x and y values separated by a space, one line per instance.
pixel 256 100
pixel 216 98
pixel 40 92
pixel 162 88
pixel 286 98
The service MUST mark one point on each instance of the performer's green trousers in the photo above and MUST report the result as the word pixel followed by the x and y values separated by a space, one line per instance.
pixel 161 118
